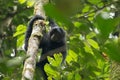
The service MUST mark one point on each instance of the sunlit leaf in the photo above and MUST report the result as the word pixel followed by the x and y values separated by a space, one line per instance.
pixel 22 1
pixel 72 56
pixel 20 40
pixel 77 24
pixel 88 48
pixel 20 30
pixel 93 43
pixel 100 5
pixel 94 1
pixel 50 71
pixel 56 61
pixel 77 76
pixel 86 9
pixel 30 3
pixel 70 76
pixel 90 35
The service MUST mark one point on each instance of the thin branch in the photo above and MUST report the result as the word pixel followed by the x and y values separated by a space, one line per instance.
pixel 98 9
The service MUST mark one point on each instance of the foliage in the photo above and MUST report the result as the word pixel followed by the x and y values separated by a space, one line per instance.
pixel 90 40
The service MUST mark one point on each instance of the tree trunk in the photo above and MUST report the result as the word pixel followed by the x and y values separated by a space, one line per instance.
pixel 34 41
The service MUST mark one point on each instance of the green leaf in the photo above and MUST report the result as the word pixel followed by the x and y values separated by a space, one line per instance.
pixel 30 3
pixel 70 76
pixel 15 61
pixel 113 50
pixel 86 9
pixel 20 40
pixel 93 43
pixel 94 1
pixel 56 61
pixel 90 35
pixel 100 5
pixel 72 56
pixel 91 16
pixel 22 1
pixel 87 48
pixel 50 71
pixel 70 68
pixel 105 25
pixel 75 64
pixel 20 30
pixel 77 24
pixel 77 76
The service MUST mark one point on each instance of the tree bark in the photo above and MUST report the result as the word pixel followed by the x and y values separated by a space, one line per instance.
pixel 34 41
pixel 115 71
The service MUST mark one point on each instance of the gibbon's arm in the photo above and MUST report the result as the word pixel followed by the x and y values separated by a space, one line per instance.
pixel 29 29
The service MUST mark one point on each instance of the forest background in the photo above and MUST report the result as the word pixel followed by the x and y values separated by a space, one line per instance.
pixel 93 41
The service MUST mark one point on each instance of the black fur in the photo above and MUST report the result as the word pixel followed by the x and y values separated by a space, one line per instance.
pixel 29 29
pixel 55 38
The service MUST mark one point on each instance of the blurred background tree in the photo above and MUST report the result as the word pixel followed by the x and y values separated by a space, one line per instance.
pixel 93 41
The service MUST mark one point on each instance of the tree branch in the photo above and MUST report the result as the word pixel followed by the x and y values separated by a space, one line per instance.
pixel 34 41
pixel 98 9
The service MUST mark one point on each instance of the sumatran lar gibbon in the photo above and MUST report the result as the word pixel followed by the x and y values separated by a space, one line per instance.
pixel 53 39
